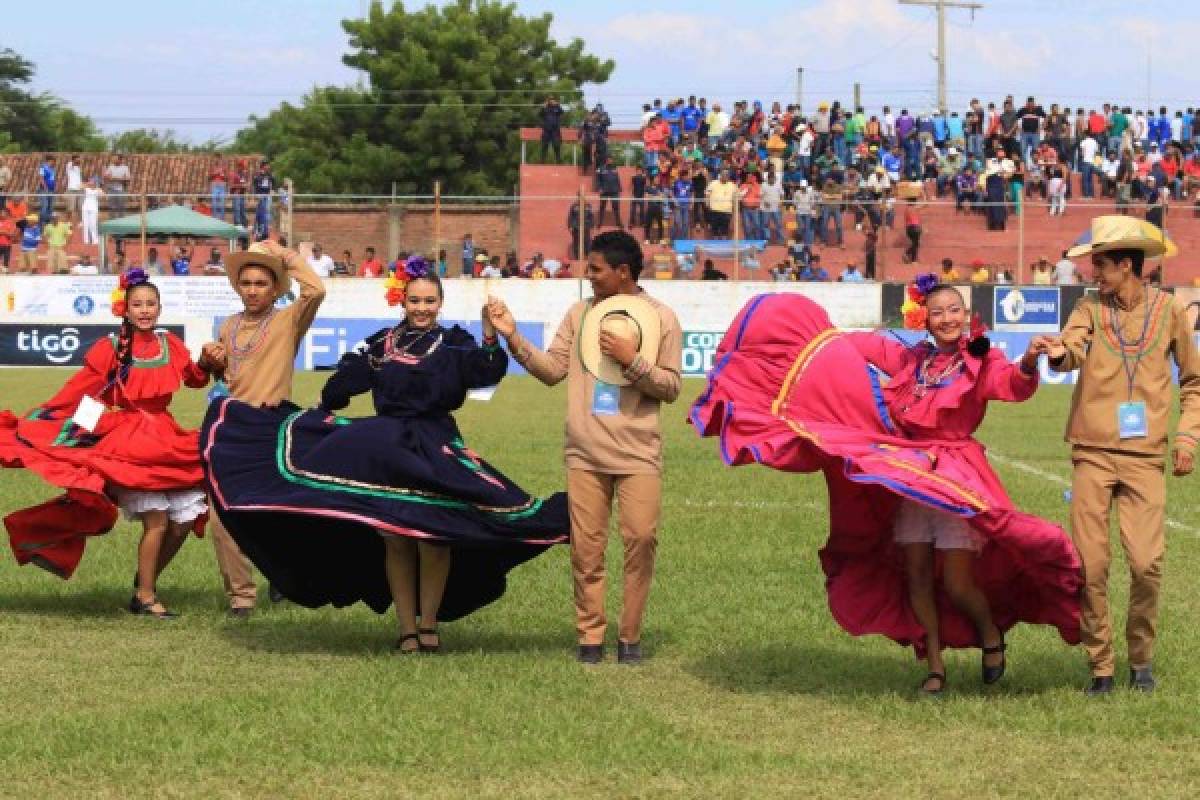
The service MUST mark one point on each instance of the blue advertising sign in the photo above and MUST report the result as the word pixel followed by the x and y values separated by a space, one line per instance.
pixel 330 338
pixel 1028 308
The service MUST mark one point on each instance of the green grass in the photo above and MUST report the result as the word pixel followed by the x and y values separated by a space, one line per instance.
pixel 751 690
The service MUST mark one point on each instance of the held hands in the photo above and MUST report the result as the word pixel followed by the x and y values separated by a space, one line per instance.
pixel 212 357
pixel 497 313
pixel 1050 346
pixel 1184 462
pixel 618 348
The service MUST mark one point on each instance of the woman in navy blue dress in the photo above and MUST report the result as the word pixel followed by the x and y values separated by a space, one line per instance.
pixel 390 508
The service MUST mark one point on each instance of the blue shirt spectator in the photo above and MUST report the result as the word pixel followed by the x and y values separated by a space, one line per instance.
pixel 49 179
pixel 692 117
pixel 674 117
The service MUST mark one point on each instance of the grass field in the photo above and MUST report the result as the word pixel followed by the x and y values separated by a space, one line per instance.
pixel 750 690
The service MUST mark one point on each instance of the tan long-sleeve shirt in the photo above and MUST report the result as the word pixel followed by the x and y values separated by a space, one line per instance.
pixel 259 368
pixel 1093 347
pixel 627 443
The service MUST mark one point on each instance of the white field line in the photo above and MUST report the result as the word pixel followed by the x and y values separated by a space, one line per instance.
pixel 752 505
pixel 1061 481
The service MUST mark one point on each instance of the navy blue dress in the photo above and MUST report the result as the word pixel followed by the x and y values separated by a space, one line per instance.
pixel 306 493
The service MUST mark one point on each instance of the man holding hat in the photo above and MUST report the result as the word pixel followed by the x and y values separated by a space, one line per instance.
pixel 1121 340
pixel 260 345
pixel 621 353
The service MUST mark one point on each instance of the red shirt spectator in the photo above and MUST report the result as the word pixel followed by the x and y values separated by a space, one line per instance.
pixel 1097 125
pixel 217 175
pixel 656 134
pixel 371 267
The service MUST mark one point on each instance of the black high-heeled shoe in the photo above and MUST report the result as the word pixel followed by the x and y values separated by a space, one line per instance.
pixel 142 608
pixel 429 648
pixel 993 674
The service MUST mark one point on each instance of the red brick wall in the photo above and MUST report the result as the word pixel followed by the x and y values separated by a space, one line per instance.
pixel 353 228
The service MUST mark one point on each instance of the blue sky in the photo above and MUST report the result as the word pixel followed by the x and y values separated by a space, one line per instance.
pixel 201 68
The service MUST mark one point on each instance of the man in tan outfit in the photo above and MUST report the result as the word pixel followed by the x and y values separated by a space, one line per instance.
pixel 260 346
pixel 1122 340
pixel 613 440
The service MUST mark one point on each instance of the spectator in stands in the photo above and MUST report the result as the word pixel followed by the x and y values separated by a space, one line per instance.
pixel 492 269
pixel 717 123
pixel 57 233
pixel 870 251
pixel 8 235
pixel 656 210
pixel 830 211
pixel 264 188
pixel 47 182
pixel 181 264
pixel 468 254
pixel 637 208
pixel 551 115
pixel 711 273
pixel 74 174
pixel 215 265
pixel 912 229
pixel 239 180
pixel 655 138
pixel 218 188
pixel 1056 190
pixel 1065 272
pixel 372 266
pixel 90 212
pixel 805 201
pixel 5 179
pixel 320 262
pixel 681 198
pixel 1157 197
pixel 344 267
pixel 771 208
pixel 949 274
pixel 814 272
pixel 118 180
pixel 84 266
pixel 31 239
pixel 720 199
pixel 966 190
pixel 851 274
pixel 980 272
pixel 608 183
pixel 152 265
pixel 582 236
pixel 750 200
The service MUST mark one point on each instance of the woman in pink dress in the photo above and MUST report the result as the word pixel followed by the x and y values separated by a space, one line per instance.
pixel 925 546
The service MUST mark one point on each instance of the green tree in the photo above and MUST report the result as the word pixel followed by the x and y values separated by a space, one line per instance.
pixel 41 121
pixel 449 89
pixel 153 140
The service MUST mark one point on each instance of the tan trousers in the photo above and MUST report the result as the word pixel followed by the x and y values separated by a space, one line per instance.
pixel 1137 485
pixel 236 570
pixel 56 260
pixel 590 496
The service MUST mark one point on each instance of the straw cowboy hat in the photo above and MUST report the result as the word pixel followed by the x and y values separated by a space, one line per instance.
pixel 625 315
pixel 258 256
pixel 1117 232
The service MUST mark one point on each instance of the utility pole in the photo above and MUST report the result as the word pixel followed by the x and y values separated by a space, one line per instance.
pixel 941 6
pixel 800 89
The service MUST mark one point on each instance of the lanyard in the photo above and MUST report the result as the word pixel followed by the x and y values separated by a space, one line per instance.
pixel 1131 371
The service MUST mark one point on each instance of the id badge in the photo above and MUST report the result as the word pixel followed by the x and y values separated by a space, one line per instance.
pixel 606 399
pixel 219 389
pixel 483 395
pixel 1131 420
pixel 87 415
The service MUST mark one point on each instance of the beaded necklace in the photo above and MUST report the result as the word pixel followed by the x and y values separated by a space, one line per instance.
pixel 399 342
pixel 238 355
pixel 925 381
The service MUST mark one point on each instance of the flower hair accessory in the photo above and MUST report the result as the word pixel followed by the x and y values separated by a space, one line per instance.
pixel 130 278
pixel 400 275
pixel 913 309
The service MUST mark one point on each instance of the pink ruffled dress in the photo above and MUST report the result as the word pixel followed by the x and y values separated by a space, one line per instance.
pixel 794 393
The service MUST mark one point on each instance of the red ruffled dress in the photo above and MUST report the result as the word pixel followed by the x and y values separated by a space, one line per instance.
pixel 792 392
pixel 136 458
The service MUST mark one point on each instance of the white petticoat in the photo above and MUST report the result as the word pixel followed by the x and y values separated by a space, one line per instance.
pixel 920 524
pixel 181 505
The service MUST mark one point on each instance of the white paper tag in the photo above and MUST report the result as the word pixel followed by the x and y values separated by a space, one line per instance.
pixel 87 416
pixel 483 394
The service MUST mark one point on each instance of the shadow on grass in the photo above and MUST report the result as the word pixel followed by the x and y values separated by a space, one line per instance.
pixel 295 635
pixel 815 669
pixel 97 602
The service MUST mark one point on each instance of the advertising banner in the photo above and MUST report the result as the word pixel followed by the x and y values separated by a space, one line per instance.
pixel 54 345
pixel 1028 308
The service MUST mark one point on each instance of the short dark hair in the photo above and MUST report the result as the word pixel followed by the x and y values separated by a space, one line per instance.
pixel 617 248
pixel 1137 258
pixel 431 277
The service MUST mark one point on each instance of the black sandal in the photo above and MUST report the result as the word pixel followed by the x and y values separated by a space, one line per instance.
pixel 993 674
pixel 938 676
pixel 428 648
pixel 399 646
pixel 146 609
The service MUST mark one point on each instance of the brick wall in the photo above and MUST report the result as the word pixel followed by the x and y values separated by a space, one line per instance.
pixel 409 228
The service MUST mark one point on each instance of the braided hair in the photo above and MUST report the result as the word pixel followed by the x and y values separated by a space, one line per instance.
pixel 120 370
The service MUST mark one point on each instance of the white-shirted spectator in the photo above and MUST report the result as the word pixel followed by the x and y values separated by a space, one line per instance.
pixel 321 262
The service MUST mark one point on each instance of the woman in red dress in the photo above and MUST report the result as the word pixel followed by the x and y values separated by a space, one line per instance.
pixel 912 497
pixel 133 457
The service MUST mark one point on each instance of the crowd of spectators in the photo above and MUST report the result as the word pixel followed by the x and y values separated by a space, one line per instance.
pixel 765 173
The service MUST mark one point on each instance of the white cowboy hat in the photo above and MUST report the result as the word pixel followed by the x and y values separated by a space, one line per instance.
pixel 625 315
pixel 258 256
pixel 1118 232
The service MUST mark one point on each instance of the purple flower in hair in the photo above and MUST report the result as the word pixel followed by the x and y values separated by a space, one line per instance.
pixel 134 277
pixel 925 282
pixel 416 267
